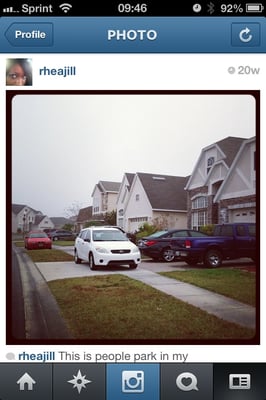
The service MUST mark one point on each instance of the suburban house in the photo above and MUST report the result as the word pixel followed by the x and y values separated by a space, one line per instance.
pixel 104 197
pixel 84 216
pixel 222 185
pixel 42 222
pixel 23 217
pixel 153 198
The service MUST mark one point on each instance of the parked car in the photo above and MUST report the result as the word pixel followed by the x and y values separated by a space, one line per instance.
pixel 105 246
pixel 37 240
pixel 49 230
pixel 61 234
pixel 229 242
pixel 159 245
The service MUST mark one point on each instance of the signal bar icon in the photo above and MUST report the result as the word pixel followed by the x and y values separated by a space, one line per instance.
pixel 65 7
pixel 9 10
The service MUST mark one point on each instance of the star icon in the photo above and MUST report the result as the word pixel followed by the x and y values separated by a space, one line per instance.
pixel 79 381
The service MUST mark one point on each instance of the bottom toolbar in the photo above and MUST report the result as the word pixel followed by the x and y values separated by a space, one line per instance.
pixel 54 381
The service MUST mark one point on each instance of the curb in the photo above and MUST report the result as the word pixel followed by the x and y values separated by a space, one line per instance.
pixel 42 314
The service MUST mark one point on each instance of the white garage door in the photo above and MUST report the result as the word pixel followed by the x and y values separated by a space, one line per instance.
pixel 244 215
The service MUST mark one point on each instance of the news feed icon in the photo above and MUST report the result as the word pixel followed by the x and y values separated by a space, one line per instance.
pixel 239 381
pixel 132 381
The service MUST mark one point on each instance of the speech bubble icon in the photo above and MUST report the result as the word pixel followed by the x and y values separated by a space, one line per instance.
pixel 187 382
pixel 10 356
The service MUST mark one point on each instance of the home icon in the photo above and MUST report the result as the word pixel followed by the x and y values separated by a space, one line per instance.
pixel 26 382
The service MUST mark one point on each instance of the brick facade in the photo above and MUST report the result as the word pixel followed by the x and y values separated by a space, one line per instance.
pixel 211 209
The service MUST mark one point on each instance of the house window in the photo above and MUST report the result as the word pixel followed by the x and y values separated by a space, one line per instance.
pixel 199 219
pixel 137 197
pixel 210 162
pixel 199 202
pixel 139 219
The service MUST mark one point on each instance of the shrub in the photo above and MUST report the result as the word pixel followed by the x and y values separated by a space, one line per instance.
pixel 146 230
pixel 208 229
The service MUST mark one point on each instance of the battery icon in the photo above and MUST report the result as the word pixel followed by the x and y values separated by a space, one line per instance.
pixel 254 7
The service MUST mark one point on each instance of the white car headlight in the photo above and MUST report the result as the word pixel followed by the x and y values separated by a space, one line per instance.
pixel 101 250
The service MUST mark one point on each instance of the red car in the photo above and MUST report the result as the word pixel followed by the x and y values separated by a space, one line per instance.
pixel 37 240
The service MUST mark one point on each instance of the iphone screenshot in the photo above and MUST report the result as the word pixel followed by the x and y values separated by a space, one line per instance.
pixel 132 192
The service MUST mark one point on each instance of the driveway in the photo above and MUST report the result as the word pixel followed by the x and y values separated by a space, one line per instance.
pixel 61 270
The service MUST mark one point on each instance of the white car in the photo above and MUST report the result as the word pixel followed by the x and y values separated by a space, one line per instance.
pixel 105 246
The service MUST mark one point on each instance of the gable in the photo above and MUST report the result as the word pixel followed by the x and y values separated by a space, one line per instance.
pixel 241 178
pixel 224 151
pixel 125 187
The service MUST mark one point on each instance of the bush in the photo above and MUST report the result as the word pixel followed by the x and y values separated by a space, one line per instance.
pixel 208 229
pixel 146 230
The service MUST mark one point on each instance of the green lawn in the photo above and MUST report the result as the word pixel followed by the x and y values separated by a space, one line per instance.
pixel 117 307
pixel 45 255
pixel 63 242
pixel 234 283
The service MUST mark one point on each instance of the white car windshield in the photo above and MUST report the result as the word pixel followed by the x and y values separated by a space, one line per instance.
pixel 108 236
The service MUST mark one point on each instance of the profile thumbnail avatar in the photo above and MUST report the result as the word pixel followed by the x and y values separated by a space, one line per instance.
pixel 18 72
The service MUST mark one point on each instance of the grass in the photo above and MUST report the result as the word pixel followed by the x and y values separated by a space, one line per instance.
pixel 116 307
pixel 64 242
pixel 236 284
pixel 19 243
pixel 46 255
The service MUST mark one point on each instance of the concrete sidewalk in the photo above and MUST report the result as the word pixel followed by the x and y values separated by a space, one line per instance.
pixel 216 304
pixel 213 303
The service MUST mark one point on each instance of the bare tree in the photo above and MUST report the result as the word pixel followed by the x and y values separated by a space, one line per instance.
pixel 73 210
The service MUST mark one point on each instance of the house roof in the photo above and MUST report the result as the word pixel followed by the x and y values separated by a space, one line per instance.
pixel 130 178
pixel 85 214
pixel 165 192
pixel 60 221
pixel 38 219
pixel 16 208
pixel 106 186
pixel 230 147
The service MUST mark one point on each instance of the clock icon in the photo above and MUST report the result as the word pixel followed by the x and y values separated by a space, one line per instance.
pixel 197 8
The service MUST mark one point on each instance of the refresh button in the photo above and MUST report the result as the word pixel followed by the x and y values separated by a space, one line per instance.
pixel 248 34
pixel 245 35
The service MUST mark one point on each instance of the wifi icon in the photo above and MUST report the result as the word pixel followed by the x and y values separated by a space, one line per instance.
pixel 65 7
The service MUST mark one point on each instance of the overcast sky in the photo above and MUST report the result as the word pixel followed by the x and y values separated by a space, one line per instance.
pixel 64 144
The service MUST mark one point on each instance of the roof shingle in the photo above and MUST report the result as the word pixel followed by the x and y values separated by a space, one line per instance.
pixel 165 192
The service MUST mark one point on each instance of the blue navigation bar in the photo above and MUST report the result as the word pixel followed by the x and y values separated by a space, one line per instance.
pixel 133 35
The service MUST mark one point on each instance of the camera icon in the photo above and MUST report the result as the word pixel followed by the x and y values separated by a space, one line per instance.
pixel 132 381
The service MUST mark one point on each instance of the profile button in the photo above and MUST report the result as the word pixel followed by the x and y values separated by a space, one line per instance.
pixel 30 34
